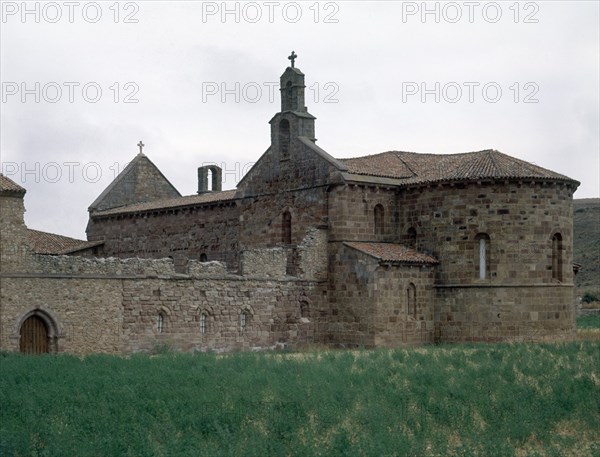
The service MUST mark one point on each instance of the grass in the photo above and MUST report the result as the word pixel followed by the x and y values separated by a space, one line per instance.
pixel 588 322
pixel 588 327
pixel 460 400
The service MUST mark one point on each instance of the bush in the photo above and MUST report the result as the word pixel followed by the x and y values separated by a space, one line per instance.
pixel 162 349
pixel 589 297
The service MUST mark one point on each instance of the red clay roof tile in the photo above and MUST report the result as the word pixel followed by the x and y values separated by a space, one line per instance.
pixel 416 168
pixel 50 243
pixel 189 200
pixel 391 252
pixel 8 185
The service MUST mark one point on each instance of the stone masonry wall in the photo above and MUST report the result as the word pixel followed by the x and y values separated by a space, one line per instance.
pixel 112 305
pixel 520 220
pixel 396 321
pixel 351 213
pixel 520 293
pixel 506 313
pixel 141 182
pixel 263 217
pixel 87 312
pixel 182 234
pixel 369 302
pixel 273 314
pixel 266 263
pixel 14 251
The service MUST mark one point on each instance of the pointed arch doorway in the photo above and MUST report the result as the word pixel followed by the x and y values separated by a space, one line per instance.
pixel 38 333
pixel 34 336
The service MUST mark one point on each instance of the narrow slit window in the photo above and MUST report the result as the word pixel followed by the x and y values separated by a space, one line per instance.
pixel 379 219
pixel 483 243
pixel 160 323
pixel 412 238
pixel 243 321
pixel 203 324
pixel 482 258
pixel 557 257
pixel 286 228
pixel 284 138
pixel 411 297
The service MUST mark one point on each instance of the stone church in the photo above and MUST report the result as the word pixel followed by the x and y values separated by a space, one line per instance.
pixel 382 250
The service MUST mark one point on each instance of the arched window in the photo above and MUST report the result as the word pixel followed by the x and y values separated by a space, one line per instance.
pixel 379 218
pixel 304 309
pixel 483 258
pixel 203 257
pixel 557 257
pixel 411 298
pixel 160 323
pixel 203 323
pixel 284 138
pixel 286 228
pixel 209 180
pixel 244 320
pixel 411 238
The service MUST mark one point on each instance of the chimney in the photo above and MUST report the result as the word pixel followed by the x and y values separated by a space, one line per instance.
pixel 209 179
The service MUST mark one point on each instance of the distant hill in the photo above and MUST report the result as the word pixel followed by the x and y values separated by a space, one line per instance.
pixel 586 242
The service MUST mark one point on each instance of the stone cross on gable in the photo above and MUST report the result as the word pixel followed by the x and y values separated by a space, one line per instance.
pixel 141 145
pixel 292 57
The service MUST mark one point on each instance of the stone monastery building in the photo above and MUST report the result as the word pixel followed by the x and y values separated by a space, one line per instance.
pixel 383 250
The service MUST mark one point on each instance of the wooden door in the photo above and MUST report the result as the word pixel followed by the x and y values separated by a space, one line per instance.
pixel 34 336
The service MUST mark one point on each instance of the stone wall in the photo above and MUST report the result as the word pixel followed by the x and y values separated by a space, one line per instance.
pixel 112 305
pixel 87 313
pixel 262 217
pixel 351 213
pixel 369 304
pixel 183 233
pixel 14 251
pixel 504 313
pixel 519 218
pixel 100 267
pixel 265 263
pixel 523 286
pixel 405 305
pixel 140 181
pixel 312 255
pixel 273 314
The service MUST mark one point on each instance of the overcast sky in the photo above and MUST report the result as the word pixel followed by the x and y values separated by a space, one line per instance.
pixel 82 84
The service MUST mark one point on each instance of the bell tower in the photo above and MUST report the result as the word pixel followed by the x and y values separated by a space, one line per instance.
pixel 293 120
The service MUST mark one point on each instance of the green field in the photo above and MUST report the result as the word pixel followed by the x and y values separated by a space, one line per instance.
pixel 588 322
pixel 463 400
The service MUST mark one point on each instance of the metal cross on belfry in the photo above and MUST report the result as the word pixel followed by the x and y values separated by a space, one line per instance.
pixel 292 57
pixel 141 145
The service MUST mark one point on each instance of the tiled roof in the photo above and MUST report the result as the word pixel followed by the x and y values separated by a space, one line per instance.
pixel 416 168
pixel 391 252
pixel 50 243
pixel 177 202
pixel 8 185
